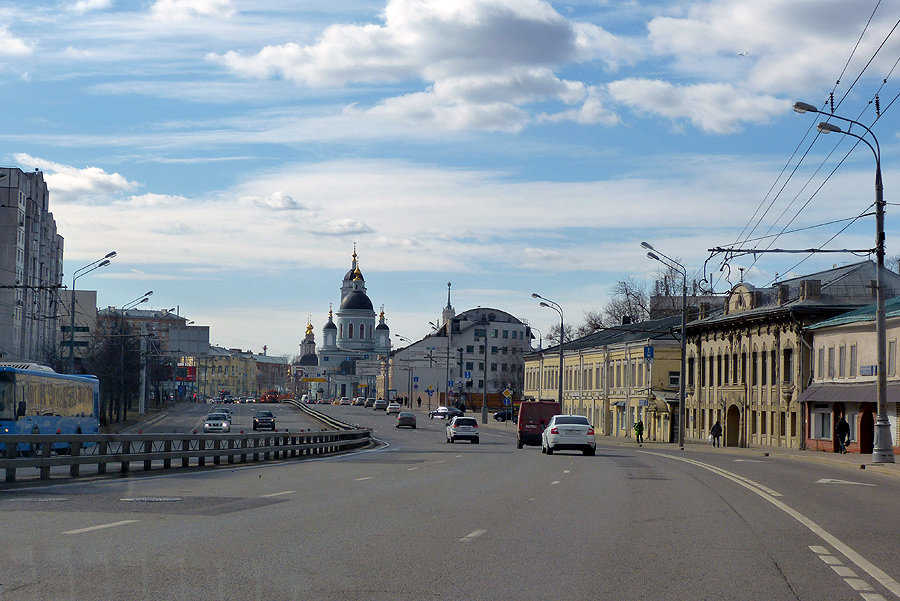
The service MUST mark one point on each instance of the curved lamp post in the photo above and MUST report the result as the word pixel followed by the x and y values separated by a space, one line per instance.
pixel 409 372
pixel 103 262
pixel 546 302
pixel 134 303
pixel 883 451
pixel 673 264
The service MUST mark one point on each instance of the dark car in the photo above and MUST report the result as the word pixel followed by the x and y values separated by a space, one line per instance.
pixel 406 418
pixel 454 412
pixel 506 415
pixel 264 420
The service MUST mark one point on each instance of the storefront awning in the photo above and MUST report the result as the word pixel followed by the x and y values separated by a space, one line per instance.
pixel 618 403
pixel 863 392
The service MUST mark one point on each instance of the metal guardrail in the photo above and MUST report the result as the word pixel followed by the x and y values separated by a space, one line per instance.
pixel 323 418
pixel 102 450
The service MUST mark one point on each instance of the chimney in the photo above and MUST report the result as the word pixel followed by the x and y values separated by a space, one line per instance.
pixel 783 293
pixel 810 290
pixel 703 311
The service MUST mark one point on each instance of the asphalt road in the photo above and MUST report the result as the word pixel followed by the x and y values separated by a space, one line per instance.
pixel 422 519
pixel 187 417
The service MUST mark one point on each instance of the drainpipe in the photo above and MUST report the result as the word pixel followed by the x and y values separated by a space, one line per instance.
pixel 801 338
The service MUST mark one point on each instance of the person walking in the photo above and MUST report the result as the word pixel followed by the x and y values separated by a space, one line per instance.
pixel 419 402
pixel 715 432
pixel 639 432
pixel 842 433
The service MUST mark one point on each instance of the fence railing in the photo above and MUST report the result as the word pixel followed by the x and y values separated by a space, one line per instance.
pixel 153 451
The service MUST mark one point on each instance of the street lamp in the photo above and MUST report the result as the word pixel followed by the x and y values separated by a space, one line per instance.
pixel 883 451
pixel 409 371
pixel 546 302
pixel 134 303
pixel 86 269
pixel 673 264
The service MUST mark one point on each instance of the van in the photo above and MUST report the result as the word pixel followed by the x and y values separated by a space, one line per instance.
pixel 533 418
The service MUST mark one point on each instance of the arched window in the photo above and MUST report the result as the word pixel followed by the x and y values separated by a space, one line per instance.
pixel 362 330
pixel 349 330
pixel 342 330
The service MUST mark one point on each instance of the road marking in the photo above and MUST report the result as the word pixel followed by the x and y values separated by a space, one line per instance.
pixel 859 585
pixel 472 536
pixel 566 471
pixel 554 483
pixel 459 455
pixel 844 572
pixel 366 478
pixel 100 527
pixel 748 460
pixel 409 469
pixel 834 481
pixel 860 561
pixel 277 494
pixel 872 597
pixel 441 461
pixel 818 550
pixel 849 576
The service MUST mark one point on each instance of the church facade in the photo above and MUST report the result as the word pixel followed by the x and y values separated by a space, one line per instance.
pixel 353 339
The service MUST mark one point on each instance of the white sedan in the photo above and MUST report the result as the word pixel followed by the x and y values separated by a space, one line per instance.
pixel 393 407
pixel 573 432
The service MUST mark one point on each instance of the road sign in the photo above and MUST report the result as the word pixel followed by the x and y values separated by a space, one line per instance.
pixel 415 378
pixel 506 401
pixel 507 393
pixel 415 386
pixel 430 392
pixel 648 352
pixel 450 383
pixel 468 375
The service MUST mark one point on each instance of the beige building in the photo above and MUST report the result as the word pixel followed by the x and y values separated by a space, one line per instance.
pixel 227 371
pixel 615 377
pixel 844 382
pixel 749 362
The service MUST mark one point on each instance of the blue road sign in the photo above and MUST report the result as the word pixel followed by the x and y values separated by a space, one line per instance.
pixel 506 401
pixel 415 386
pixel 430 392
pixel 648 352
pixel 468 375
pixel 415 378
pixel 450 383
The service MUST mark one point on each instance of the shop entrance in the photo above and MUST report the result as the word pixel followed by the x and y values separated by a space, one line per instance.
pixel 733 427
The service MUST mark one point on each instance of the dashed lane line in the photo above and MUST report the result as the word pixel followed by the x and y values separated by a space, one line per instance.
pixel 100 527
pixel 861 562
pixel 472 536
pixel 364 478
pixel 277 494
pixel 554 483
pixel 850 577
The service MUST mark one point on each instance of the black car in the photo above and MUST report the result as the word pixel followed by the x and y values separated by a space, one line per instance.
pixel 264 420
pixel 454 412
pixel 505 415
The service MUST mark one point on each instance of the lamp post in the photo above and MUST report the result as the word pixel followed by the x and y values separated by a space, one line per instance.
pixel 134 303
pixel 546 302
pixel 673 264
pixel 883 451
pixel 78 273
pixel 409 371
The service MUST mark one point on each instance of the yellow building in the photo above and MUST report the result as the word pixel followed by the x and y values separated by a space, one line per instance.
pixel 615 377
pixel 227 371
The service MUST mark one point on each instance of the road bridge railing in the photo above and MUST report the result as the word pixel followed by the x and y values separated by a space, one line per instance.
pixel 101 451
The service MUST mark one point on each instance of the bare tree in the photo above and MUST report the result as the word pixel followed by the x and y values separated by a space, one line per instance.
pixel 629 300
pixel 552 335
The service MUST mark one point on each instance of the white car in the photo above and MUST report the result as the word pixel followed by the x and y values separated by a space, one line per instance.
pixel 573 432
pixel 217 422
pixel 393 407
pixel 463 427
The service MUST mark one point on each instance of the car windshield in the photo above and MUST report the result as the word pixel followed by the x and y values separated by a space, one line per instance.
pixel 573 419
pixel 214 416
pixel 264 414
pixel 465 421
pixel 406 414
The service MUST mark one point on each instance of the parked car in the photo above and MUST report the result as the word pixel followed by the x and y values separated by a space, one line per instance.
pixel 264 420
pixel 380 404
pixel 506 415
pixel 359 401
pixel 370 402
pixel 463 427
pixel 573 432
pixel 406 419
pixel 345 400
pixel 440 413
pixel 217 422
pixel 393 407
pixel 533 418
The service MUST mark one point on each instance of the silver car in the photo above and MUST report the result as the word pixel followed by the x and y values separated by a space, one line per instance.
pixel 463 428
pixel 573 432
pixel 217 422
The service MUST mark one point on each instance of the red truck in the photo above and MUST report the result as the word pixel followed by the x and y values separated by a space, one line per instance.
pixel 533 418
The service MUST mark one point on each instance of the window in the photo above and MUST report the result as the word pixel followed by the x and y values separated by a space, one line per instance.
pixel 831 362
pixel 470 348
pixel 674 378
pixel 892 358
pixel 820 365
pixel 493 367
pixel 479 334
pixel 702 372
pixel 504 367
pixel 506 333
pixel 774 366
pixel 753 370
pixel 821 421
pixel 350 330
pixel 718 370
pixel 852 360
pixel 690 372
pixel 763 421
pixel 481 365
pixel 764 369
pixel 726 370
pixel 618 374
pixel 787 370
pixel 842 361
pixel 480 383
pixel 494 350
pixel 469 365
pixel 493 333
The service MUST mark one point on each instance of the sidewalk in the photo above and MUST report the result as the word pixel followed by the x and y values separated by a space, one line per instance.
pixel 854 461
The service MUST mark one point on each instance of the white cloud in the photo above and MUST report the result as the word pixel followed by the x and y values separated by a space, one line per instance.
pixel 11 45
pixel 483 61
pixel 188 9
pixel 83 6
pixel 69 183
pixel 714 107
pixel 278 201
pixel 343 227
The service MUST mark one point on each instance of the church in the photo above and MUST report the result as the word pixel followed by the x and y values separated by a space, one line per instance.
pixel 351 339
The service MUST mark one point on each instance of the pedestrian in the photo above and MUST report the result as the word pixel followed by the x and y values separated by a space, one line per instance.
pixel 419 401
pixel 639 432
pixel 842 433
pixel 715 432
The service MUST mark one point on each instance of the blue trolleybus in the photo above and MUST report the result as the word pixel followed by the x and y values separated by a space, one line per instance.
pixel 34 399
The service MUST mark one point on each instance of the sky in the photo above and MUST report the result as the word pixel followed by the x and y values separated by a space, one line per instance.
pixel 233 151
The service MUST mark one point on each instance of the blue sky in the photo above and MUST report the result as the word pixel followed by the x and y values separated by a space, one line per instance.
pixel 232 151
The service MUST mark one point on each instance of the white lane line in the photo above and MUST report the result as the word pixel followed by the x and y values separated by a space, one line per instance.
pixel 818 550
pixel 834 481
pixel 472 536
pixel 277 494
pixel 441 461
pixel 861 562
pixel 859 585
pixel 566 471
pixel 100 527
pixel 831 560
pixel 459 455
pixel 554 483
pixel 844 572
pixel 872 597
pixel 366 478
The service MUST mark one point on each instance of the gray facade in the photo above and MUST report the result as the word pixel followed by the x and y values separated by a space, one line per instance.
pixel 30 268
